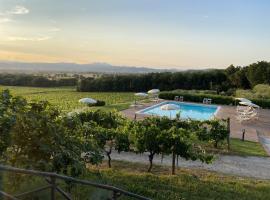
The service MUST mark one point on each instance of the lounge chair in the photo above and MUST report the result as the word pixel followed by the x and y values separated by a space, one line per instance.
pixel 205 101
pixel 181 98
pixel 209 101
pixel 176 98
pixel 246 113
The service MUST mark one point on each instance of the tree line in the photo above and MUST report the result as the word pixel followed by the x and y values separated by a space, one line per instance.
pixel 35 80
pixel 37 135
pixel 219 80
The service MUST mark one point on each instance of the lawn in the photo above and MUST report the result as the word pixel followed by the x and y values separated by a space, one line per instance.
pixel 66 98
pixel 188 184
pixel 239 148
pixel 246 148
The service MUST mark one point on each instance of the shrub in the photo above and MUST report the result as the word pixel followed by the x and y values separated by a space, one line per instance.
pixel 264 103
pixel 217 99
pixel 100 103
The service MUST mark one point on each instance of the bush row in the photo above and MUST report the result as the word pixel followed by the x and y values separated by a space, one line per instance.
pixel 216 99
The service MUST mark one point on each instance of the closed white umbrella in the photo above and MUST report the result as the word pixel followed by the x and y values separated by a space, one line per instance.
pixel 88 101
pixel 243 100
pixel 249 104
pixel 141 94
pixel 153 91
pixel 170 107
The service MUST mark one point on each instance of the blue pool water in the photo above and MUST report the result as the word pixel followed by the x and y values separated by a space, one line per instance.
pixel 187 111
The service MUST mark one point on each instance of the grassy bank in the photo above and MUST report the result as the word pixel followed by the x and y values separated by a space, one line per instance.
pixel 189 184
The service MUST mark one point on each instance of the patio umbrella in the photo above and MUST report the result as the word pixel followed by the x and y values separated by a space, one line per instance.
pixel 153 91
pixel 88 101
pixel 249 104
pixel 170 107
pixel 243 100
pixel 141 94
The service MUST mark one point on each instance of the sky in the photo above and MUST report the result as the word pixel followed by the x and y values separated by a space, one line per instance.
pixel 151 33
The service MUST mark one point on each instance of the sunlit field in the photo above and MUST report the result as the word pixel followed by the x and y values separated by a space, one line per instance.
pixel 66 98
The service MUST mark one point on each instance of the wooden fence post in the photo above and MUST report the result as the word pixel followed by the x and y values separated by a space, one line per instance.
pixel 229 132
pixel 53 188
pixel 243 134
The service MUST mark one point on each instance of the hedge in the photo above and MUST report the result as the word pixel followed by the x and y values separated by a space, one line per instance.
pixel 99 103
pixel 216 99
pixel 264 103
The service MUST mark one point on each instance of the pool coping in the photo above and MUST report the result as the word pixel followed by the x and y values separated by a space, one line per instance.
pixel 140 112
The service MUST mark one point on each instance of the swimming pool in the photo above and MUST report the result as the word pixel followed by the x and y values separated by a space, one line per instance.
pixel 186 110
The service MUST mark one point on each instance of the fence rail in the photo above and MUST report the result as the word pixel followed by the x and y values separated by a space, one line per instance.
pixel 51 179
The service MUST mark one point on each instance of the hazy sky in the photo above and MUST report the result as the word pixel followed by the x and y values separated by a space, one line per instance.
pixel 153 33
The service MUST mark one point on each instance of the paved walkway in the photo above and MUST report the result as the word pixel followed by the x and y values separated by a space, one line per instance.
pixel 262 124
pixel 255 167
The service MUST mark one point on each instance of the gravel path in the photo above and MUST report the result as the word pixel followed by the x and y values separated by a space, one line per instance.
pixel 256 167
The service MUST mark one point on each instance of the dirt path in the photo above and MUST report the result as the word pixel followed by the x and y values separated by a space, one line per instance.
pixel 256 167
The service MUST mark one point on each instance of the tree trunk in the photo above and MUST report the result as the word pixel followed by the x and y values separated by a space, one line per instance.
pixel 151 157
pixel 216 144
pixel 108 153
pixel 173 163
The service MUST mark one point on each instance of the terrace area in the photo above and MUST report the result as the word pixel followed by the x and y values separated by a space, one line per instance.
pixel 261 125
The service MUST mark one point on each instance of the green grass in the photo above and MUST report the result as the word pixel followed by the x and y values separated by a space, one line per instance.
pixel 237 147
pixel 189 184
pixel 246 148
pixel 66 98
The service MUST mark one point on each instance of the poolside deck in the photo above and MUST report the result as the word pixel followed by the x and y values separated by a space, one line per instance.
pixel 262 124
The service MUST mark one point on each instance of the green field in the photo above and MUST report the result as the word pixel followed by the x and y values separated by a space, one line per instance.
pixel 66 98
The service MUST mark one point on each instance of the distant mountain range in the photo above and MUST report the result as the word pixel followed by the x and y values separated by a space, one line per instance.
pixel 23 67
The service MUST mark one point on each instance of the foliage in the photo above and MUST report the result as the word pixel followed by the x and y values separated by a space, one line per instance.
pixel 100 103
pixel 106 128
pixel 216 99
pixel 214 130
pixel 218 80
pixel 147 138
pixel 163 136
pixel 259 73
pixel 35 80
pixel 8 108
pixel 261 91
pixel 182 142
pixel 40 138
pixel 208 79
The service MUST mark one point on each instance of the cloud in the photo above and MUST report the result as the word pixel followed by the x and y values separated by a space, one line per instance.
pixel 32 39
pixel 55 29
pixel 5 20
pixel 18 10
